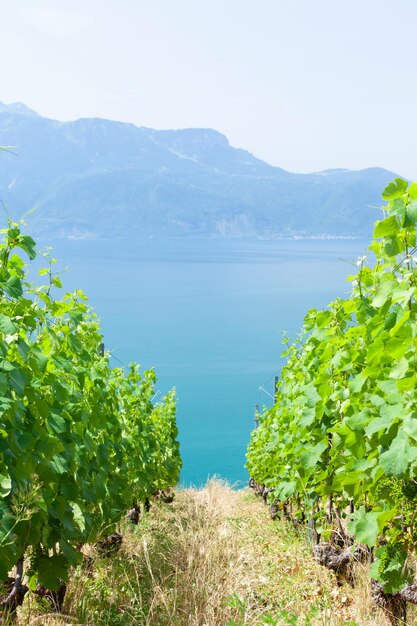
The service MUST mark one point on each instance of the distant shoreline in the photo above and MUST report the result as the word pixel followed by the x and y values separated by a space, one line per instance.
pixel 322 237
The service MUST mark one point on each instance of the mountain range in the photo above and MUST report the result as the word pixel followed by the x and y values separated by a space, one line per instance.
pixel 97 178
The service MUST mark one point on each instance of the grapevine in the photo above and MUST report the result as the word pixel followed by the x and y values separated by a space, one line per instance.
pixel 343 429
pixel 80 441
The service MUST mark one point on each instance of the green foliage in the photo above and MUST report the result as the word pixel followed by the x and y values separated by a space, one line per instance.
pixel 345 418
pixel 80 442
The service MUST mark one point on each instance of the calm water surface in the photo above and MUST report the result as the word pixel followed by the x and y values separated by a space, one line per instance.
pixel 209 316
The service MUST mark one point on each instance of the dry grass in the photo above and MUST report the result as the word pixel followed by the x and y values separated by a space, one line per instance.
pixel 213 556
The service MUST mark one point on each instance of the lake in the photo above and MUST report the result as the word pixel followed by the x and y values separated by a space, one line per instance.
pixel 209 315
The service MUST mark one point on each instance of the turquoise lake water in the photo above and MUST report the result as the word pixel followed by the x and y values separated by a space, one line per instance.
pixel 209 316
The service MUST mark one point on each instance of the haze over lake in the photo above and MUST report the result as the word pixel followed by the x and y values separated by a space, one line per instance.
pixel 209 316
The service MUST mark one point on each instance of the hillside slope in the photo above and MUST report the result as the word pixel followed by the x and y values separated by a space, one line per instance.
pixel 101 178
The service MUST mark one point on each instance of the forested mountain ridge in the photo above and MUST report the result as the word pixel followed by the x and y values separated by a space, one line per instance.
pixel 100 178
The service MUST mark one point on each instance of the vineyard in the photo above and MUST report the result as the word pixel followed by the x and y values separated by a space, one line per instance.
pixel 80 442
pixel 338 450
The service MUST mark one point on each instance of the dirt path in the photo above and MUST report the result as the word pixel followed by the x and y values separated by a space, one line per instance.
pixel 212 558
pixel 216 556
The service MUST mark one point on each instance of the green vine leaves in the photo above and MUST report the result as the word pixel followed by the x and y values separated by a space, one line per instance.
pixel 79 441
pixel 345 419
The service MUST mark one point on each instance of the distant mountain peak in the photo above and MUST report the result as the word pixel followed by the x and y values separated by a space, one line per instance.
pixel 189 142
pixel 18 107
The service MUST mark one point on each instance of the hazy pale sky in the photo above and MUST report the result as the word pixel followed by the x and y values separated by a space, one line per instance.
pixel 304 84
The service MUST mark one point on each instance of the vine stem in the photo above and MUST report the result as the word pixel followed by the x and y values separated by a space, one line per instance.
pixel 18 590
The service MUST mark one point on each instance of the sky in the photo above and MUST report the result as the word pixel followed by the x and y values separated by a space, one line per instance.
pixel 306 85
